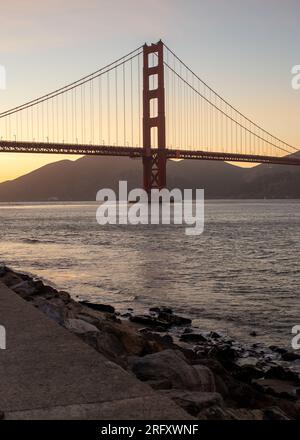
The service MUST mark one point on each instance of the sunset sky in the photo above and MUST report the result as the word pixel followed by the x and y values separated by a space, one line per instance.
pixel 243 49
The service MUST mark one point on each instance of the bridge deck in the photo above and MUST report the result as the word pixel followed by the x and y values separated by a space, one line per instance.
pixel 136 152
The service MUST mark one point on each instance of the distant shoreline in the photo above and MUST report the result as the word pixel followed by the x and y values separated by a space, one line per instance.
pixel 209 199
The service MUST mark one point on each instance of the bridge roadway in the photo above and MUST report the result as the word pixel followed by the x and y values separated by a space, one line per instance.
pixel 136 152
pixel 49 373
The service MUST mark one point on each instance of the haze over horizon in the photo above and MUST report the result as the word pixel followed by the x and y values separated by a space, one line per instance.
pixel 244 51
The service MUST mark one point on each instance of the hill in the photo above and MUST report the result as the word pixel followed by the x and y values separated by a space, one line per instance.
pixel 81 179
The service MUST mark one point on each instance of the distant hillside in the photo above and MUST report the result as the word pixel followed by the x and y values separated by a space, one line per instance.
pixel 80 180
pixel 274 181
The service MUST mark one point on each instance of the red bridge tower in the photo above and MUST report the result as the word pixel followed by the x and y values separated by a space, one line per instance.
pixel 154 162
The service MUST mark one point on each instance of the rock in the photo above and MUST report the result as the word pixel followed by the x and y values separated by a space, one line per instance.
pixel 154 309
pixel 11 278
pixel 189 353
pixel 119 342
pixel 245 414
pixel 214 335
pixel 171 365
pixel 38 284
pixel 242 394
pixel 80 326
pixel 99 307
pixel 219 413
pixel 106 344
pixel 167 339
pixel 159 329
pixel 253 333
pixel 149 320
pixel 193 401
pixel 54 311
pixel 276 387
pixel 173 319
pixel 47 292
pixel 192 337
pixel 144 330
pixel 88 318
pixel 248 361
pixel 225 353
pixel 166 314
pixel 25 289
pixel 111 347
pixel 163 384
pixel 133 343
pixel 29 289
pixel 247 373
pixel 279 372
pixel 277 349
pixel 248 370
pixel 275 413
pixel 214 413
pixel 158 342
pixel 221 386
pixel 290 356
pixel 126 315
pixel 3 269
pixel 161 309
pixel 165 309
pixel 64 296
pixel 188 330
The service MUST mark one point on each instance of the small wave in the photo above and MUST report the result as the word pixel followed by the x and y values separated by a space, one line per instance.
pixel 30 240
pixel 37 241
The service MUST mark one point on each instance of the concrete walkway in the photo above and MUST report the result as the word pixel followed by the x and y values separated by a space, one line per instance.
pixel 48 373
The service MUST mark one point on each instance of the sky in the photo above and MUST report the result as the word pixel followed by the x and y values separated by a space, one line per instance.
pixel 244 49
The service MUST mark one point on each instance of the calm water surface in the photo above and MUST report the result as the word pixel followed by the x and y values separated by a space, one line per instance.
pixel 242 274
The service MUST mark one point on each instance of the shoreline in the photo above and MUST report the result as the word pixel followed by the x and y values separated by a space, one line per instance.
pixel 216 377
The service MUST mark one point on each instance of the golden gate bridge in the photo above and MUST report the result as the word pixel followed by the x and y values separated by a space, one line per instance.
pixel 148 104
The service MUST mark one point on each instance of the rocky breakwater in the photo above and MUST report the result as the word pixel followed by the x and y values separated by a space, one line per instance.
pixel 208 374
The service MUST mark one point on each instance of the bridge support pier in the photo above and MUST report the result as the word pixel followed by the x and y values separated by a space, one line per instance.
pixel 154 160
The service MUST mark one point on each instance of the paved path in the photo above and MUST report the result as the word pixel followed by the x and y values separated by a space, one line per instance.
pixel 48 373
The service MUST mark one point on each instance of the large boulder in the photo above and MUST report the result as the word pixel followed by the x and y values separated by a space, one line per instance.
pixel 80 326
pixel 218 413
pixel 118 341
pixel 132 342
pixel 149 321
pixel 99 307
pixel 279 388
pixel 275 413
pixel 192 337
pixel 173 319
pixel 10 278
pixel 193 401
pixel 25 289
pixel 172 367
pixel 55 310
